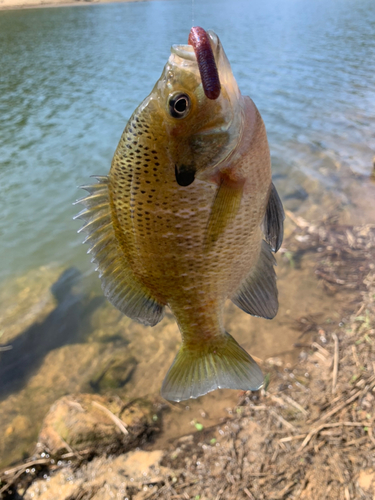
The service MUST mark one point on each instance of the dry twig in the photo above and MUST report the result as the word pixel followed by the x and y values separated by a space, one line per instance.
pixel 120 424
pixel 335 363
pixel 316 430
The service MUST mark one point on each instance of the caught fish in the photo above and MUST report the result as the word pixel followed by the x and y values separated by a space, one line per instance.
pixel 188 217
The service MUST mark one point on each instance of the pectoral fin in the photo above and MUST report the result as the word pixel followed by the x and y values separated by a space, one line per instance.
pixel 118 282
pixel 274 220
pixel 224 209
pixel 257 294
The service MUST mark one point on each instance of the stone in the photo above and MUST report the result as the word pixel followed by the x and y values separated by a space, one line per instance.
pixel 113 373
pixel 90 424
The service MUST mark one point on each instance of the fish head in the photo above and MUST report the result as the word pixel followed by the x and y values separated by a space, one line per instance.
pixel 201 131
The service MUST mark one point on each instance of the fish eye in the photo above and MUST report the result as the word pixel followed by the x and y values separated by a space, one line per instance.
pixel 179 105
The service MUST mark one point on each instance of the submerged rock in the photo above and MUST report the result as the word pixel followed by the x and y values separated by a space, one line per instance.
pixel 114 372
pixel 89 424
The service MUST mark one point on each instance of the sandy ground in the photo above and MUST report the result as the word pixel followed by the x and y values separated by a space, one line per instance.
pixel 31 4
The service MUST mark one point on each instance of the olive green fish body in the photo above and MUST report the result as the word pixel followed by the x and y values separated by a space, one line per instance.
pixel 181 218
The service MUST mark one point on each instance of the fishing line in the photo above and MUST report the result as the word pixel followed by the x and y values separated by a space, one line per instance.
pixel 192 11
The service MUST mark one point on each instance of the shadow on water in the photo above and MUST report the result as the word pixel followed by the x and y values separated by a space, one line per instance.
pixel 68 323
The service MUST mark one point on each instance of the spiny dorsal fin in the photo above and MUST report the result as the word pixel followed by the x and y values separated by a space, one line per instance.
pixel 118 282
pixel 257 294
pixel 274 220
pixel 224 209
pixel 222 364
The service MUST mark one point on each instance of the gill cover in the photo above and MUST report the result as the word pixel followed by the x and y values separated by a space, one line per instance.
pixel 201 107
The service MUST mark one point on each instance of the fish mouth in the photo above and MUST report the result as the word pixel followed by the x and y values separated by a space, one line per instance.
pixel 184 56
pixel 185 52
pixel 200 50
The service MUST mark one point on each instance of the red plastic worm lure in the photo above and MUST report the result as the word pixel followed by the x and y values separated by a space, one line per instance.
pixel 200 41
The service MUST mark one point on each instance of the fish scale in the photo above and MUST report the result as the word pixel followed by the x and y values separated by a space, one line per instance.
pixel 189 217
pixel 149 226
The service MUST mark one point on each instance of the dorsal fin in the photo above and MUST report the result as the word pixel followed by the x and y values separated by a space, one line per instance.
pixel 119 284
pixel 257 294
pixel 274 220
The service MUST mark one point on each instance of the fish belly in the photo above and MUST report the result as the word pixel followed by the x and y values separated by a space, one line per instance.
pixel 165 244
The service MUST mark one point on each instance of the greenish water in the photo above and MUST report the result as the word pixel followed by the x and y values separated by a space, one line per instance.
pixel 69 80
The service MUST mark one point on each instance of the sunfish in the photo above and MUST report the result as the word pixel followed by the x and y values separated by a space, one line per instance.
pixel 188 217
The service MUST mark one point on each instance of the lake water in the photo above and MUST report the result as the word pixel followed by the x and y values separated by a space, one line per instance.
pixel 69 79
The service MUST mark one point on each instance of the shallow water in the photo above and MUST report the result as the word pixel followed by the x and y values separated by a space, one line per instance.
pixel 70 78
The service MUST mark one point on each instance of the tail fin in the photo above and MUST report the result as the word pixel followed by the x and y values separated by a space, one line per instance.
pixel 222 364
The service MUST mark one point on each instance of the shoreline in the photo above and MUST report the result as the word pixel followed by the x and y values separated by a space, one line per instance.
pixel 6 5
pixel 309 434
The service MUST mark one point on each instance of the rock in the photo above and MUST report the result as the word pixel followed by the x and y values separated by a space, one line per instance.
pixel 366 480
pixel 90 424
pixel 113 373
pixel 102 478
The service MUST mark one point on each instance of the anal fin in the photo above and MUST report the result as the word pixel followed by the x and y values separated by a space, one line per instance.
pixel 119 284
pixel 221 364
pixel 258 294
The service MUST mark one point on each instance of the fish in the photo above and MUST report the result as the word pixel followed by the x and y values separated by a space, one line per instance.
pixel 188 217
